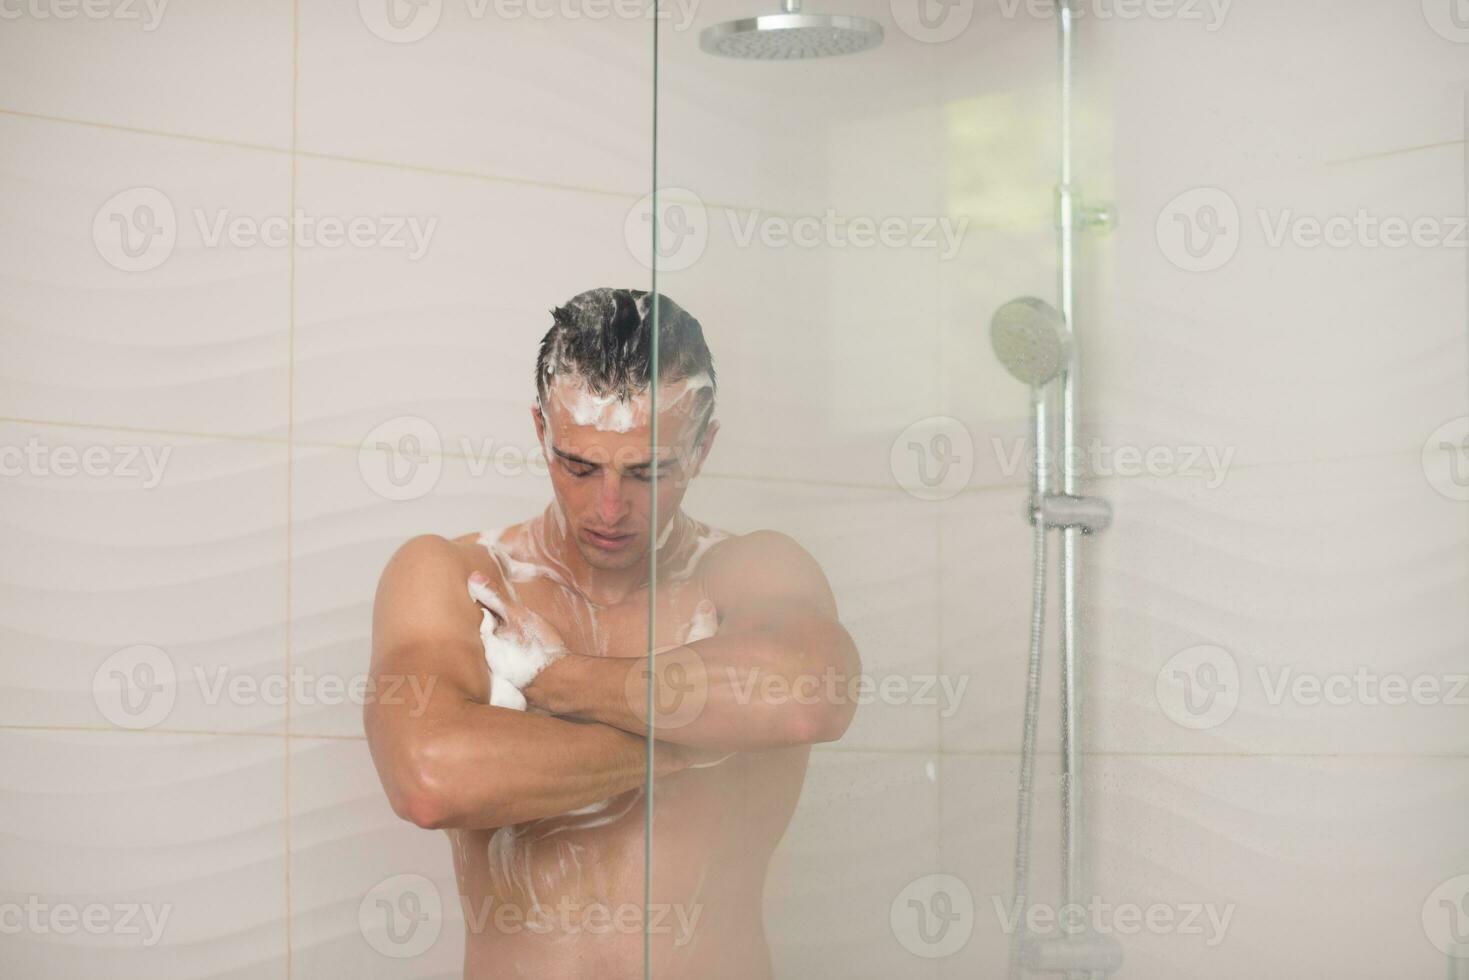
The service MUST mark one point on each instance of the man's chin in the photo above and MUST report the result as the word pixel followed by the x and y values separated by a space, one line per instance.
pixel 625 557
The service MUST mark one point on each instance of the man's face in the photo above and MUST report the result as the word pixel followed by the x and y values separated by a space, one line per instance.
pixel 599 452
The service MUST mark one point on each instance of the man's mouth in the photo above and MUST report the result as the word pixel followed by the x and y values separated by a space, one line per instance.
pixel 607 542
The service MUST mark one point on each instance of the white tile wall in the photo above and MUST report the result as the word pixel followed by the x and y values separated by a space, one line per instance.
pixel 560 100
pixel 173 543
pixel 526 141
pixel 217 71
pixel 866 828
pixel 193 339
pixel 447 331
pixel 173 847
pixel 349 854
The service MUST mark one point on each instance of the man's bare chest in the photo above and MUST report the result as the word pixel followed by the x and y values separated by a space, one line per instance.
pixel 620 630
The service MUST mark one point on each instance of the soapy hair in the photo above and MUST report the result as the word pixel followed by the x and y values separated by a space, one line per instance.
pixel 603 339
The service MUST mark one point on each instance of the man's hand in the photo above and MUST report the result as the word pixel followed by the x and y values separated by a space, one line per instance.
pixel 519 643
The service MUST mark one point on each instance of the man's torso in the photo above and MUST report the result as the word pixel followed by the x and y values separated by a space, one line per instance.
pixel 563 896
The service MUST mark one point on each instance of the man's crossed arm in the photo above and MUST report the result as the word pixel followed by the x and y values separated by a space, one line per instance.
pixel 452 760
pixel 776 674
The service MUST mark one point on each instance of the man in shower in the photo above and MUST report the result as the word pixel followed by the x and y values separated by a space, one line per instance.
pixel 532 747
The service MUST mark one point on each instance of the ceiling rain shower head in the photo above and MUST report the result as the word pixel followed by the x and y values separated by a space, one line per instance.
pixel 1031 340
pixel 791 34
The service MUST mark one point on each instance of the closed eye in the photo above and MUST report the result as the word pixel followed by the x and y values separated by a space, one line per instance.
pixel 641 474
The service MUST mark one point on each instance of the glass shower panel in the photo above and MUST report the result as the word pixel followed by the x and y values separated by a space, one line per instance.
pixel 804 223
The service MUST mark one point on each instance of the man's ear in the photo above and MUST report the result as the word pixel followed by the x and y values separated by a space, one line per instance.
pixel 540 421
pixel 710 431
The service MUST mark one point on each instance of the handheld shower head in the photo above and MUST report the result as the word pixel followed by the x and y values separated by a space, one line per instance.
pixel 1031 339
pixel 791 34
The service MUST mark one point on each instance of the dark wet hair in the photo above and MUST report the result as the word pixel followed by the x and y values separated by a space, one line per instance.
pixel 603 337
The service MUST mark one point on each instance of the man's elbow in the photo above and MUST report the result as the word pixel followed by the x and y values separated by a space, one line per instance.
pixel 821 722
pixel 420 790
pixel 422 809
pixel 827 717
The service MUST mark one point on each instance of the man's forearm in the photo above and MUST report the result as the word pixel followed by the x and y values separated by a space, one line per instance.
pixel 752 690
pixel 491 767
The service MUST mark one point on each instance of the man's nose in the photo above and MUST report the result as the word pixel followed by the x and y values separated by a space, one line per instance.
pixel 611 506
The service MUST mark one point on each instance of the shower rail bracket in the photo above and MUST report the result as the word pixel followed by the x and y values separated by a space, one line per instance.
pixel 1086 955
pixel 1083 215
pixel 1097 217
pixel 1064 510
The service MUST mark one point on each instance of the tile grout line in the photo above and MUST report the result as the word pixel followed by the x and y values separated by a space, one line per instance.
pixel 209 732
pixel 290 463
pixel 296 152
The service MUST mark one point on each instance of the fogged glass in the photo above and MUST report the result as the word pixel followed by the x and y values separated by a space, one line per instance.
pixel 1136 702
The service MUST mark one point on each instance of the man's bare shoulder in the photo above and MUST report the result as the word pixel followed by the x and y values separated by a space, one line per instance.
pixel 421 565
pixel 728 546
pixel 431 565
pixel 766 564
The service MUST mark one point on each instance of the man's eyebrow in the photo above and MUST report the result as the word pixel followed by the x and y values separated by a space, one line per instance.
pixel 663 460
pixel 572 456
